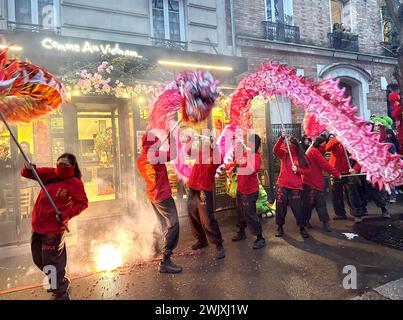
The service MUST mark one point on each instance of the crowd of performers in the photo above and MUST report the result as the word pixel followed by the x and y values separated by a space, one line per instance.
pixel 300 186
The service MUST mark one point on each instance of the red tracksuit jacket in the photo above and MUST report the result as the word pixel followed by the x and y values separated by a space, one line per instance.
pixel 202 176
pixel 397 115
pixel 287 177
pixel 248 184
pixel 68 195
pixel 318 164
pixel 338 158
pixel 155 176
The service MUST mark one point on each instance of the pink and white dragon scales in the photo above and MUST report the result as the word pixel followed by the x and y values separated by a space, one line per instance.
pixel 327 108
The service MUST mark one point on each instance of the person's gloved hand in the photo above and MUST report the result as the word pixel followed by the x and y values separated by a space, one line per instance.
pixel 29 166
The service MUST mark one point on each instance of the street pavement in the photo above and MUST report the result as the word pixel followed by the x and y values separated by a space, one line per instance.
pixel 288 268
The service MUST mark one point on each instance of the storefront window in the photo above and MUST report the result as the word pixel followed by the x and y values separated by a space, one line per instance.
pixel 6 174
pixel 168 19
pixel 98 141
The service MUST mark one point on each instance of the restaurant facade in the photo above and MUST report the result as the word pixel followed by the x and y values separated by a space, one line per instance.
pixel 103 129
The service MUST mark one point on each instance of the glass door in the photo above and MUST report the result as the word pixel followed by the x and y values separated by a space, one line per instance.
pixel 98 146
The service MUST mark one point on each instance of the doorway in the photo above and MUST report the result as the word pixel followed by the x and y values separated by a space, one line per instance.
pixel 96 131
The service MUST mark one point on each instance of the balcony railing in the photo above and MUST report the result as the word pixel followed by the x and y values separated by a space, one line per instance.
pixel 343 41
pixel 281 32
pixel 390 48
pixel 11 25
pixel 170 44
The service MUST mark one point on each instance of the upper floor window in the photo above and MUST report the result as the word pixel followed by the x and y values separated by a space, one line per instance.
pixel 43 13
pixel 389 31
pixel 279 11
pixel 168 19
pixel 340 14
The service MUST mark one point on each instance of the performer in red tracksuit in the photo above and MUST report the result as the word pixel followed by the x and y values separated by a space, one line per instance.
pixel 289 183
pixel 347 185
pixel 397 115
pixel 248 193
pixel 200 200
pixel 151 166
pixel 313 184
pixel 48 248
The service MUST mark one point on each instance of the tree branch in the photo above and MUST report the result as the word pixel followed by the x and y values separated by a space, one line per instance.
pixel 392 13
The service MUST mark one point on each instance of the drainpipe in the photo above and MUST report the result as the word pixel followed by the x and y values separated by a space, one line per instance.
pixel 233 29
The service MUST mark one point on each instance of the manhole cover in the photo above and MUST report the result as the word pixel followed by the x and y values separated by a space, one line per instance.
pixel 385 232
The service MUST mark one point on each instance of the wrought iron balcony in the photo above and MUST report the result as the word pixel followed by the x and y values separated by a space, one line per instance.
pixel 12 25
pixel 281 32
pixel 343 41
pixel 390 47
pixel 170 44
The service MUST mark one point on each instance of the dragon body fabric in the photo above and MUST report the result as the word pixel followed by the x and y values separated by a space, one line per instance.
pixel 193 93
pixel 325 101
pixel 27 91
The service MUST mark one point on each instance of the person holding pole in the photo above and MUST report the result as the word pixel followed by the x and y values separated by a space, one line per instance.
pixel 248 194
pixel 48 248
pixel 151 166
pixel 200 204
pixel 347 185
pixel 313 184
pixel 289 184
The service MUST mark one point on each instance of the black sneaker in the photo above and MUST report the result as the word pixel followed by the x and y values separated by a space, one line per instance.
pixel 62 296
pixel 239 236
pixel 327 227
pixel 280 232
pixel 308 225
pixel 199 245
pixel 259 244
pixel 169 267
pixel 303 233
pixel 65 286
pixel 340 217
pixel 386 214
pixel 220 253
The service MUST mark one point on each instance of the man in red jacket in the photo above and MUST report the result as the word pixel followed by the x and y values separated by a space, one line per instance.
pixel 397 115
pixel 151 166
pixel 289 183
pixel 313 184
pixel 339 159
pixel 48 248
pixel 200 200
pixel 248 193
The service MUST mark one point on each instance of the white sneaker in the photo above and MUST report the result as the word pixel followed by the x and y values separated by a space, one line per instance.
pixel 358 219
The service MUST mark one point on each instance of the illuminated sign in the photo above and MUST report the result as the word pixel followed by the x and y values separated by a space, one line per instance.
pixel 88 47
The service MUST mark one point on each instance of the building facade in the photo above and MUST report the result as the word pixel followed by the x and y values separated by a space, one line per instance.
pixel 344 39
pixel 150 41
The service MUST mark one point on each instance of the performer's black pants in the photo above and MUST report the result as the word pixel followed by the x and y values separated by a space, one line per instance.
pixel 202 219
pixel 246 213
pixel 48 252
pixel 348 187
pixel 314 199
pixel 370 193
pixel 289 197
pixel 167 216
